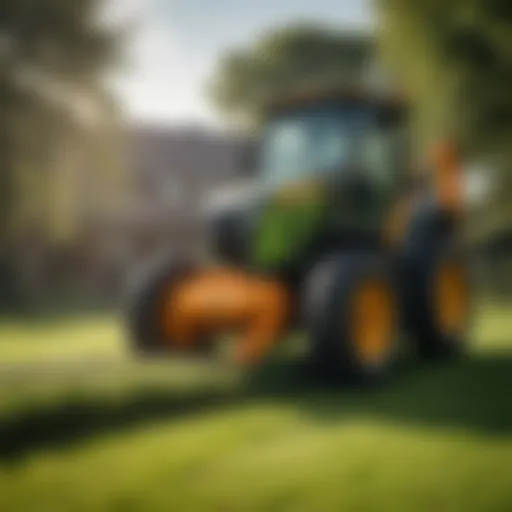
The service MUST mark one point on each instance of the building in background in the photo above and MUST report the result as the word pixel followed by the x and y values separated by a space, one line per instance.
pixel 172 172
pixel 154 203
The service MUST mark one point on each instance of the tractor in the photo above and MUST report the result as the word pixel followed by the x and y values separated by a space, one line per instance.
pixel 335 235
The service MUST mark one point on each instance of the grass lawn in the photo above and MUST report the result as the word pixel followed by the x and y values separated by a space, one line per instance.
pixel 85 428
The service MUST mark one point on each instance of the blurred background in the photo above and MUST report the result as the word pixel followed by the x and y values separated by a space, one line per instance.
pixel 118 118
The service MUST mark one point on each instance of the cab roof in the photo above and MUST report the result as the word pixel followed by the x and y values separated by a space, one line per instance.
pixel 308 97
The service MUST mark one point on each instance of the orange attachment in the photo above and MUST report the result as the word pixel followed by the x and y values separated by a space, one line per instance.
pixel 223 300
pixel 448 177
pixel 452 298
pixel 374 321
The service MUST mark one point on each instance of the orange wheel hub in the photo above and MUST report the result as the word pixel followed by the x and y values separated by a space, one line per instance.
pixel 374 321
pixel 451 298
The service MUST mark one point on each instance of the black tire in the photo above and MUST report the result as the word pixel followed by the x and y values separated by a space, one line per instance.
pixel 328 295
pixel 145 302
pixel 430 245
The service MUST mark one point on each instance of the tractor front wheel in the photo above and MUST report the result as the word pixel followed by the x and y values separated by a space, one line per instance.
pixel 351 314
pixel 437 302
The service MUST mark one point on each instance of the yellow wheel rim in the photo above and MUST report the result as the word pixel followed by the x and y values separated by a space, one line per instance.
pixel 451 298
pixel 374 321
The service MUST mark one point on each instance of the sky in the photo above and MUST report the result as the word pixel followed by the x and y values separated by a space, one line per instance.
pixel 174 45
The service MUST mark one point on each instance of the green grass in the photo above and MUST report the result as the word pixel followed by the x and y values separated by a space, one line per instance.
pixel 85 428
pixel 39 341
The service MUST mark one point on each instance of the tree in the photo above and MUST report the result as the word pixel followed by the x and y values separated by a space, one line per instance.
pixel 455 59
pixel 53 55
pixel 287 59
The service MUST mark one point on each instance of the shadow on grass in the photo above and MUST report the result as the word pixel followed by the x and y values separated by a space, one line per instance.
pixel 473 394
pixel 74 419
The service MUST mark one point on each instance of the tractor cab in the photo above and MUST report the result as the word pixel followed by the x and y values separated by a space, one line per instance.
pixel 327 170
pixel 330 138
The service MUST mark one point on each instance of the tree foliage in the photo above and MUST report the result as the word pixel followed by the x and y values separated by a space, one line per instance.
pixel 456 60
pixel 284 60
pixel 53 57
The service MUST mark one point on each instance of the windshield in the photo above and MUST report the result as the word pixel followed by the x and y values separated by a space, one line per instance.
pixel 306 142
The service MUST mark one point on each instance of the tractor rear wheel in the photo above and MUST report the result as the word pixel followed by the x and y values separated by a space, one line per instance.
pixel 435 285
pixel 437 302
pixel 351 314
